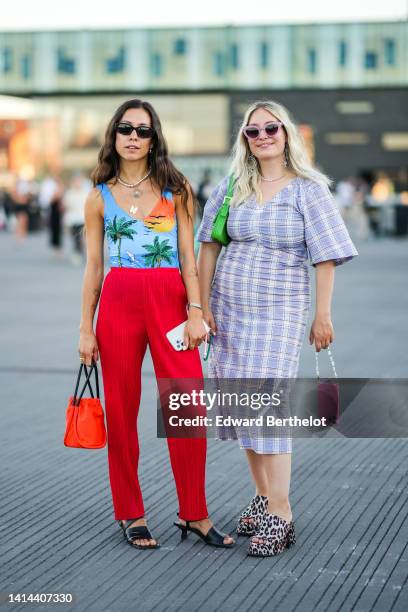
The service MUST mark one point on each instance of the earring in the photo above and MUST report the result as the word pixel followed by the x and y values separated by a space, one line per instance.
pixel 252 165
pixel 285 161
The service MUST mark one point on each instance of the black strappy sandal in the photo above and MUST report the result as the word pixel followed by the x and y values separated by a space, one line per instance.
pixel 213 537
pixel 139 532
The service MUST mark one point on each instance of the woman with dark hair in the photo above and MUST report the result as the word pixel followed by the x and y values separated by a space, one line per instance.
pixel 144 205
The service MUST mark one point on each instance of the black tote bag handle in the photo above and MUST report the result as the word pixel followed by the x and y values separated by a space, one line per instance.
pixel 93 368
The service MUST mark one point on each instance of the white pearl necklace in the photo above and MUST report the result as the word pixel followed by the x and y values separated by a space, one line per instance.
pixel 137 193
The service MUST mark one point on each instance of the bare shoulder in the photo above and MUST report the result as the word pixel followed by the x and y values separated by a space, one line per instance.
pixel 94 203
pixel 188 188
pixel 178 199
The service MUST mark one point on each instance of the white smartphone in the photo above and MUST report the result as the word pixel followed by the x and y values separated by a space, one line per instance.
pixel 176 336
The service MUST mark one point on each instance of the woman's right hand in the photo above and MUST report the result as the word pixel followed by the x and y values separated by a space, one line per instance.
pixel 209 319
pixel 88 347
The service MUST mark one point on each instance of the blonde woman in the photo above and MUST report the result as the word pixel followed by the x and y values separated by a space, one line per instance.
pixel 257 302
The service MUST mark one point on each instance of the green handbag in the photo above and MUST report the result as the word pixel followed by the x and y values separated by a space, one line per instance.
pixel 219 228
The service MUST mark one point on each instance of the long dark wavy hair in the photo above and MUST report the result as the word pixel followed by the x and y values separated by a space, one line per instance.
pixel 163 171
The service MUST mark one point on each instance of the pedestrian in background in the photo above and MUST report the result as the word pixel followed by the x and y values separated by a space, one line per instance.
pixel 204 191
pixel 5 208
pixel 73 202
pixel 21 196
pixel 345 196
pixel 258 301
pixel 50 199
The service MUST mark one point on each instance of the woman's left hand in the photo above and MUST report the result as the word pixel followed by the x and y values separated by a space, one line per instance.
pixel 194 333
pixel 321 332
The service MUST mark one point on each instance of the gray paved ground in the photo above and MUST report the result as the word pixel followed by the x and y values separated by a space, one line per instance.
pixel 349 497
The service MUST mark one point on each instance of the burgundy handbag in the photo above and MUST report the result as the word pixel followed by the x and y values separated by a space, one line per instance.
pixel 328 395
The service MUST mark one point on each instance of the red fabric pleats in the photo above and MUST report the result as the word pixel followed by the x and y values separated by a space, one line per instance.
pixel 138 307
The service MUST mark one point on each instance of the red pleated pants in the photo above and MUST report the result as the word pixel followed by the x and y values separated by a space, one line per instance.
pixel 137 307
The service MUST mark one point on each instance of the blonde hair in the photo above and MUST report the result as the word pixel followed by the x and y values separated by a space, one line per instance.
pixel 249 176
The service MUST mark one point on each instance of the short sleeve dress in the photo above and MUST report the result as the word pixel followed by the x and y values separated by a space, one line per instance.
pixel 260 294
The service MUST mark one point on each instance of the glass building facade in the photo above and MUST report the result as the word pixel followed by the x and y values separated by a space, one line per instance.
pixel 344 83
pixel 217 58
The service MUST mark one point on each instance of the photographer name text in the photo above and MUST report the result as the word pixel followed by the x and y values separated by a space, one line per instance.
pixel 260 421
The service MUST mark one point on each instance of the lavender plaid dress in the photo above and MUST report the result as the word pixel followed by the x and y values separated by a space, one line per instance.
pixel 260 295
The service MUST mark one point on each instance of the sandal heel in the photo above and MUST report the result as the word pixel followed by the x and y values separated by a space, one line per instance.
pixel 184 534
pixel 291 537
pixel 183 528
pixel 213 537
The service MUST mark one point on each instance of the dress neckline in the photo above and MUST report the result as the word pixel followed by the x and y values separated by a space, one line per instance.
pixel 126 212
pixel 278 192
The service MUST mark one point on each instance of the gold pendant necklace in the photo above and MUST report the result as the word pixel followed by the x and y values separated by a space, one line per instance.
pixel 137 193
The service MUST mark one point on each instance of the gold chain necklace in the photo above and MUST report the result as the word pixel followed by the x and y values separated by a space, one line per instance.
pixel 272 180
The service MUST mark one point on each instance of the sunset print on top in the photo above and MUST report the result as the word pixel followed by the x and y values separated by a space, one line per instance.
pixel 135 243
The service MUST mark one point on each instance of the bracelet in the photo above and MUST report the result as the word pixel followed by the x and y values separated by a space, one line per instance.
pixel 194 304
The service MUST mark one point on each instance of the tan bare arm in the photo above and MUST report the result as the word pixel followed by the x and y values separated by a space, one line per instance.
pixel 207 261
pixel 321 331
pixel 195 331
pixel 93 275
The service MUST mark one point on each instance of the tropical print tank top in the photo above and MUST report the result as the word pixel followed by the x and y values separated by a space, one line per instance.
pixel 135 243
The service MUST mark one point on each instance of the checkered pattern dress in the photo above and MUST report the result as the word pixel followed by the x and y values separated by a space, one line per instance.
pixel 260 295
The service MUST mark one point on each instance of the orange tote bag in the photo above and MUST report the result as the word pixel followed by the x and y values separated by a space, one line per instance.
pixel 85 419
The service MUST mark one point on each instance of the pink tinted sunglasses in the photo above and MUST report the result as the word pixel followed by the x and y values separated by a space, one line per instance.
pixel 253 131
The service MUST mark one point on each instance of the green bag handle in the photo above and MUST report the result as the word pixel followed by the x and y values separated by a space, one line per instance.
pixel 219 229
pixel 230 188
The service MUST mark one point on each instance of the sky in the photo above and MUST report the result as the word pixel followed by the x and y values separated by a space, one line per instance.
pixel 102 14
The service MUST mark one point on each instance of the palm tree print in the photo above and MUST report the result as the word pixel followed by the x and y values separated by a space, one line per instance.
pixel 118 229
pixel 157 252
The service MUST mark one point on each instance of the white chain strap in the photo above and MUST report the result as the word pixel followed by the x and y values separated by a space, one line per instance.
pixel 331 361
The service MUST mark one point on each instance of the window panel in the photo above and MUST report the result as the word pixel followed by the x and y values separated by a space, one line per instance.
pixel 347 138
pixel 342 53
pixel 370 61
pixel 157 65
pixel 219 64
pixel 116 63
pixel 311 61
pixel 350 107
pixel 7 60
pixel 264 55
pixel 395 141
pixel 234 54
pixel 65 64
pixel 389 52
pixel 180 46
pixel 26 66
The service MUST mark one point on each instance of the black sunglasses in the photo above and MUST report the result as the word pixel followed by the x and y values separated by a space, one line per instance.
pixel 143 131
pixel 251 131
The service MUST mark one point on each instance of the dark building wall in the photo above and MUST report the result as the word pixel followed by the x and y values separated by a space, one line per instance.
pixel 318 109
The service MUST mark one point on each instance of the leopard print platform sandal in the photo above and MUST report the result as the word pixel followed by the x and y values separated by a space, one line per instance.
pixel 275 534
pixel 251 518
